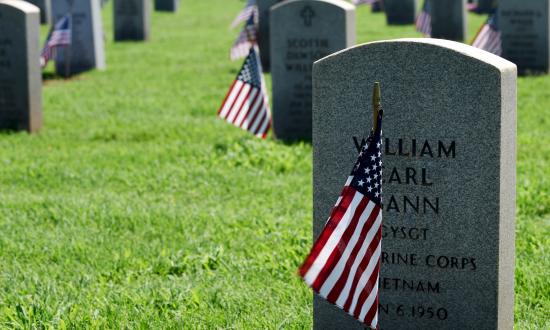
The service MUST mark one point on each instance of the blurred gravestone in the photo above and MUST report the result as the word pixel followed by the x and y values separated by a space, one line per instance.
pixel 167 5
pixel 87 50
pixel 449 178
pixel 488 6
pixel 400 11
pixel 377 6
pixel 263 34
pixel 45 7
pixel 303 31
pixel 526 33
pixel 20 73
pixel 132 19
pixel 449 19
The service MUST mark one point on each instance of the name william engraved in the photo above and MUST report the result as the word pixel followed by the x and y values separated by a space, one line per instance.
pixel 419 204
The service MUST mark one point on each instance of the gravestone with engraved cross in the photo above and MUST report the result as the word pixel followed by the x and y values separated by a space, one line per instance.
pixel 449 137
pixel 132 19
pixel 303 31
pixel 87 50
pixel 20 73
pixel 525 31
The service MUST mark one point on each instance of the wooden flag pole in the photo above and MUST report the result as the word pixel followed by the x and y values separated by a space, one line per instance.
pixel 376 105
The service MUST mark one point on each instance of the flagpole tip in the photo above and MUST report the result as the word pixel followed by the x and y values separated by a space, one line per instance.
pixel 376 95
pixel 376 104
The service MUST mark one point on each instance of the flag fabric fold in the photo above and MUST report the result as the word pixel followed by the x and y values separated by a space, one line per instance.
pixel 246 105
pixel 249 9
pixel 60 35
pixel 344 264
pixel 245 40
pixel 424 20
pixel 489 36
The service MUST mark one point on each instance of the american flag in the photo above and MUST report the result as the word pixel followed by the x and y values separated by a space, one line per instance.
pixel 60 35
pixel 246 40
pixel 424 20
pixel 344 264
pixel 246 105
pixel 249 9
pixel 489 37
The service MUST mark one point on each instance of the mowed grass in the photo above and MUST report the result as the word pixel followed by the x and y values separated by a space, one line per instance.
pixel 136 207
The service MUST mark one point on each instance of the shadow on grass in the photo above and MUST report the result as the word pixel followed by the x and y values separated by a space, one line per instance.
pixel 49 76
pixel 14 130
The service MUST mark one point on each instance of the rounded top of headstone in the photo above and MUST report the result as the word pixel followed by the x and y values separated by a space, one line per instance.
pixel 21 5
pixel 429 43
pixel 338 3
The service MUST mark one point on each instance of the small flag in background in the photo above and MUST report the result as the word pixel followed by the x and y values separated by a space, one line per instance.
pixel 344 264
pixel 249 9
pixel 424 20
pixel 489 37
pixel 245 41
pixel 60 35
pixel 246 104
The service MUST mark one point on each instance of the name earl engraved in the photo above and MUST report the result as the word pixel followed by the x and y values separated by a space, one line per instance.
pixel 413 148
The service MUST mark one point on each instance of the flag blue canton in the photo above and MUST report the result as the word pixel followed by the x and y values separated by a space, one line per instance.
pixel 367 173
pixel 250 72
pixel 64 24
pixel 250 28
pixel 493 22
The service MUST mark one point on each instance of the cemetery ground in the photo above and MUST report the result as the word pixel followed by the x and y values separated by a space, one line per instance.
pixel 137 207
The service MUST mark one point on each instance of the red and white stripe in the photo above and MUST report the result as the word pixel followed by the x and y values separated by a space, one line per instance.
pixel 489 40
pixel 244 15
pixel 424 23
pixel 246 106
pixel 59 36
pixel 344 265
pixel 241 47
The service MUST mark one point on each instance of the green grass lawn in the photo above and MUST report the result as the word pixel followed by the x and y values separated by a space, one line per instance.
pixel 136 207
